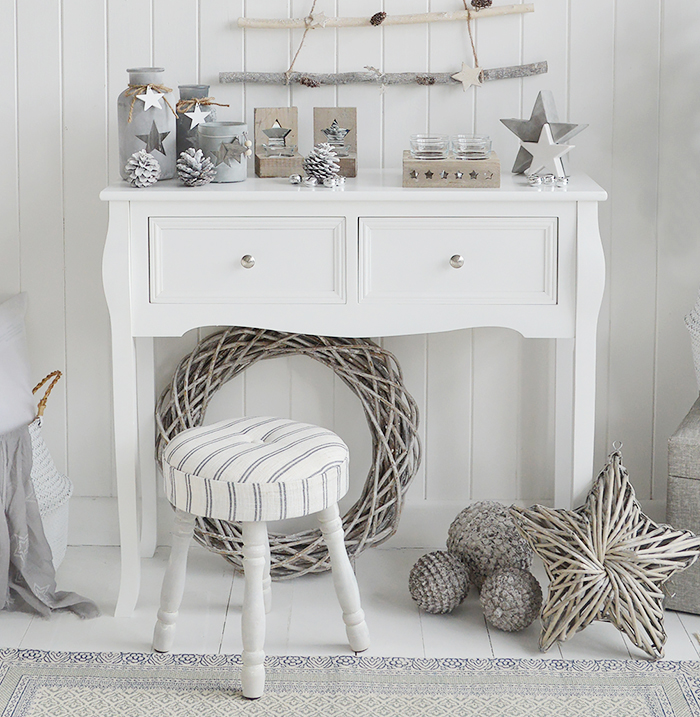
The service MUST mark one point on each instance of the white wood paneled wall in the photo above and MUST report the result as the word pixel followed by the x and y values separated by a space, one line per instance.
pixel 626 67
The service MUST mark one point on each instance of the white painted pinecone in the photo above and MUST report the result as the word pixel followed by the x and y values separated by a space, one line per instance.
pixel 322 162
pixel 143 169
pixel 194 169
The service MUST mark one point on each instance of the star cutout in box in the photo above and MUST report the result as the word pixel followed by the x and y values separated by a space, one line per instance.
pixel 543 112
pixel 606 561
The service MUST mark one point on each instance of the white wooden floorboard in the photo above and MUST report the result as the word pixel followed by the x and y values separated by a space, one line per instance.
pixel 305 617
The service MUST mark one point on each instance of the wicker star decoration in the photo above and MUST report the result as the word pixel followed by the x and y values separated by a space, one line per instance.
pixel 606 561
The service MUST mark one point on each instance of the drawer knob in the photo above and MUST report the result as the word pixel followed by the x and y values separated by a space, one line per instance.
pixel 456 261
pixel 247 261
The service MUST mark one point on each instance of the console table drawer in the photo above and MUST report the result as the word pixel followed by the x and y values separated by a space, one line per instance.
pixel 200 260
pixel 505 260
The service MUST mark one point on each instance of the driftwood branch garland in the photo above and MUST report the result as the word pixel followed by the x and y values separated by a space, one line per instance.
pixel 460 15
pixel 375 77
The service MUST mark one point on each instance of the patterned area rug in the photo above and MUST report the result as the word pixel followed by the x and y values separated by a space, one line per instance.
pixel 58 684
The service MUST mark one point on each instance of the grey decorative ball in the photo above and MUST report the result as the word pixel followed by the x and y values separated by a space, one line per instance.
pixel 194 169
pixel 295 179
pixel 142 169
pixel 485 538
pixel 511 599
pixel 438 582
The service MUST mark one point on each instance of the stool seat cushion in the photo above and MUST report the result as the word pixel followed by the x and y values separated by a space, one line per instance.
pixel 255 469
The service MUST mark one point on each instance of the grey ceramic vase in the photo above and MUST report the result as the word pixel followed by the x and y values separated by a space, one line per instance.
pixel 150 128
pixel 225 144
pixel 186 132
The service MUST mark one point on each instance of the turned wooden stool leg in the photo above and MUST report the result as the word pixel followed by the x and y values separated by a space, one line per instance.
pixel 173 582
pixel 253 616
pixel 344 579
pixel 267 580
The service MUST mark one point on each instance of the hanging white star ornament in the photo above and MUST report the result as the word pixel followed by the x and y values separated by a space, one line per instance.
pixel 547 154
pixel 318 19
pixel 151 99
pixel 197 116
pixel 468 76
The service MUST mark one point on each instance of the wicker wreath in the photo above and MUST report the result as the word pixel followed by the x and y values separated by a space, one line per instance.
pixel 372 373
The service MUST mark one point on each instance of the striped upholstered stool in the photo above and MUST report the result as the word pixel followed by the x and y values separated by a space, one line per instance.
pixel 253 470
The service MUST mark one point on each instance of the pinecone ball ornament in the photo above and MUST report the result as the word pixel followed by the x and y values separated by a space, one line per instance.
pixel 438 582
pixel 142 169
pixel 322 164
pixel 194 169
pixel 511 599
pixel 486 539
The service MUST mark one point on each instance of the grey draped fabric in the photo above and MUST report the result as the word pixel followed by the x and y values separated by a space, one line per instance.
pixel 27 576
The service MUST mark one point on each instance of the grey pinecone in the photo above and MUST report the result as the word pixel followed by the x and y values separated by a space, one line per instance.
pixel 142 169
pixel 194 169
pixel 322 162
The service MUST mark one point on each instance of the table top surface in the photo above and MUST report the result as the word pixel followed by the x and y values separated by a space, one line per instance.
pixel 370 185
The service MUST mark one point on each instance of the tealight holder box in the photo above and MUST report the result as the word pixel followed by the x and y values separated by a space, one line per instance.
pixel 464 161
pixel 277 142
pixel 338 127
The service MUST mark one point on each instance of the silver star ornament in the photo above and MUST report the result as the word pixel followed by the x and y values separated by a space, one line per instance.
pixel 544 112
pixel 229 151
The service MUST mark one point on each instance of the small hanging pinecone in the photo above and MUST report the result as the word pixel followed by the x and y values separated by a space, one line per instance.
pixel 143 169
pixel 480 4
pixel 377 19
pixel 194 169
pixel 322 162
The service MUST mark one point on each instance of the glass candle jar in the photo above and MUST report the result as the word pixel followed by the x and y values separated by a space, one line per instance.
pixel 429 146
pixel 148 125
pixel 470 146
pixel 186 132
pixel 228 147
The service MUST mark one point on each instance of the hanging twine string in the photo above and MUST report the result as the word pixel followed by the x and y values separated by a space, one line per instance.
pixel 471 39
pixel 308 21
pixel 189 105
pixel 134 90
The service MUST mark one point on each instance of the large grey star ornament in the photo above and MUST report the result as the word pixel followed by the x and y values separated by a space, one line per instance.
pixel 547 154
pixel 154 139
pixel 606 561
pixel 529 130
pixel 229 151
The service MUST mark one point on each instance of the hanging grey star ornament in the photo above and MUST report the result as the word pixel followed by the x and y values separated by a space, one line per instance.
pixel 154 139
pixel 197 116
pixel 543 112
pixel 468 76
pixel 151 99
pixel 546 153
pixel 229 151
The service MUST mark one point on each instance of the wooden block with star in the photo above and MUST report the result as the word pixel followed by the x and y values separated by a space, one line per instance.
pixel 451 172
pixel 338 127
pixel 277 142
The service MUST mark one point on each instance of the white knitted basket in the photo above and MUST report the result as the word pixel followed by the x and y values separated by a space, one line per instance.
pixel 692 321
pixel 53 489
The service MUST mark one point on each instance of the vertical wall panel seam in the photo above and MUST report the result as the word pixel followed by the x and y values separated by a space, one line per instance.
pixel 198 41
pixel 382 55
pixel 655 360
pixel 611 199
pixel 16 138
pixel 62 199
pixel 105 4
pixel 153 32
pixel 567 74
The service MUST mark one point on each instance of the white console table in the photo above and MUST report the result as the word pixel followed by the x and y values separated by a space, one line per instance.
pixel 373 259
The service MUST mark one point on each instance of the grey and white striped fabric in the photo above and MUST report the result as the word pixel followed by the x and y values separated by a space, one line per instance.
pixel 255 469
